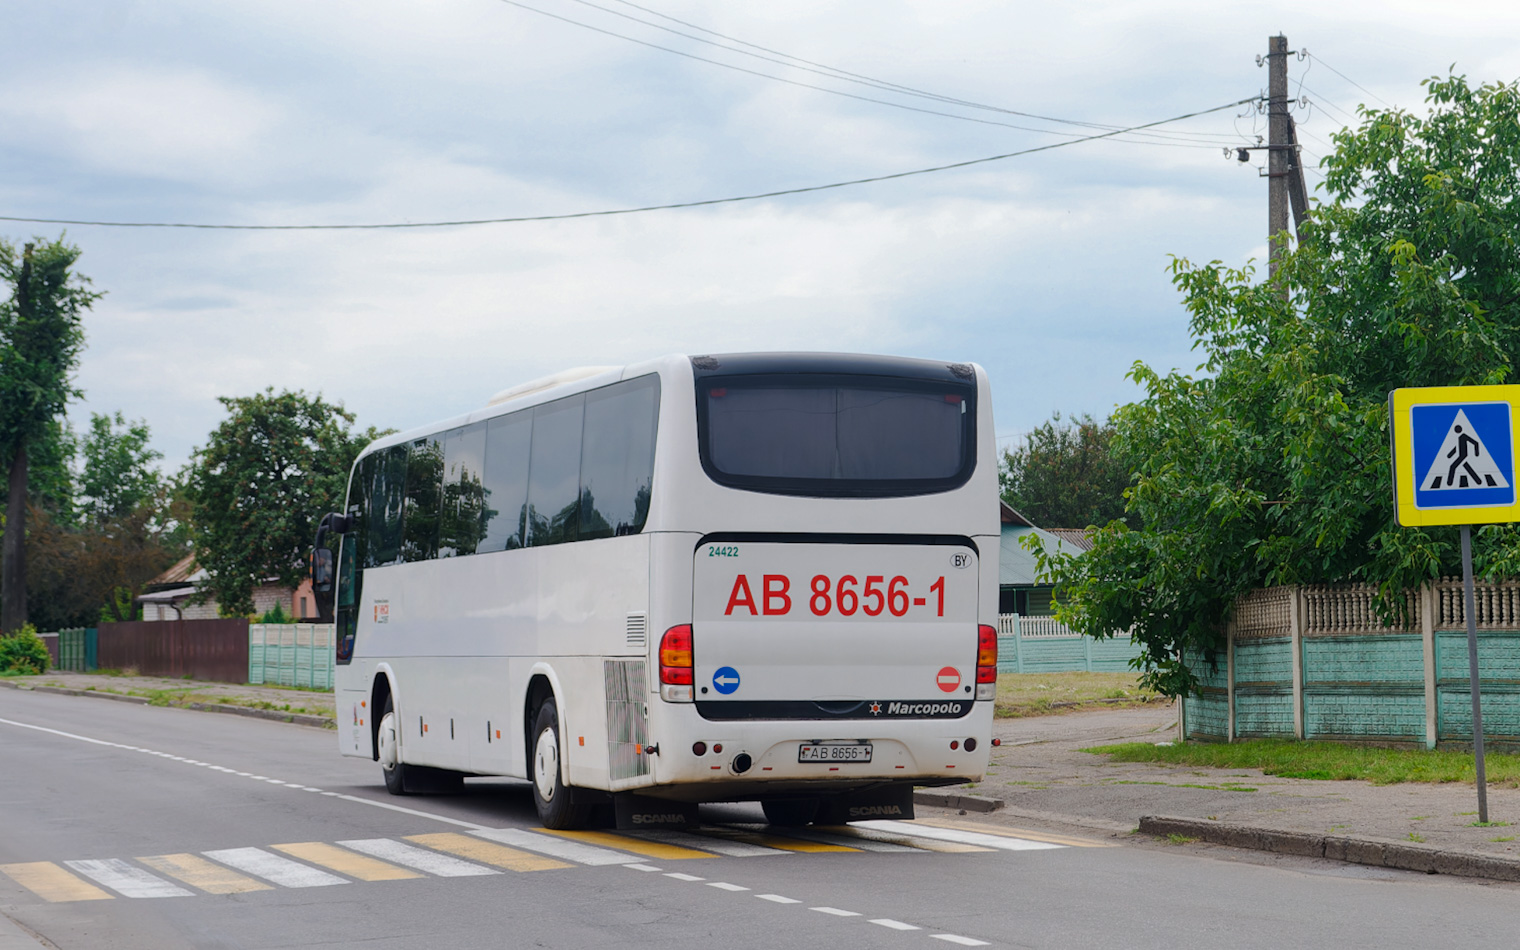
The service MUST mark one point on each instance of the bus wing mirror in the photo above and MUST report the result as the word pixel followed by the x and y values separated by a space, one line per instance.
pixel 321 570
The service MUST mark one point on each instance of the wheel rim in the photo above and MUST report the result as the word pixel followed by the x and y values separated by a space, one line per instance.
pixel 546 763
pixel 388 741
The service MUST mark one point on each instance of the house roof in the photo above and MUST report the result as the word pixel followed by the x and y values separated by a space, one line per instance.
pixel 1079 538
pixel 184 573
pixel 1016 566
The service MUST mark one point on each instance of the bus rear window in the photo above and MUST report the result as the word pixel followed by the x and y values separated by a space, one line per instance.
pixel 836 436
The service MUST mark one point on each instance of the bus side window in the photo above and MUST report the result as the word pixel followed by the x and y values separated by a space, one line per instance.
pixel 617 457
pixel 384 492
pixel 554 473
pixel 508 439
pixel 424 483
pixel 461 524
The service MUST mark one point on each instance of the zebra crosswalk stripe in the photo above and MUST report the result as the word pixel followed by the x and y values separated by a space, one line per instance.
pixel 272 867
pixel 199 873
pixel 556 847
pixel 125 879
pixel 355 865
pixel 487 852
pixel 422 859
pixel 956 835
pixel 722 845
pixel 52 883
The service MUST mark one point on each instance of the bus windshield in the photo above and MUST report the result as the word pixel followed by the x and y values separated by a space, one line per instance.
pixel 841 436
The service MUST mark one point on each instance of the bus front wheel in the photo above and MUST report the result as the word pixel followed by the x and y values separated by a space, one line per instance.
pixel 550 795
pixel 389 753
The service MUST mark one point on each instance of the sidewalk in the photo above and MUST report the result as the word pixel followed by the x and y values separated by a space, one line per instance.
pixel 1040 776
pixel 271 702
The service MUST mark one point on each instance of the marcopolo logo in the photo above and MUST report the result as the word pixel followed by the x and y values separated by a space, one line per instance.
pixel 925 709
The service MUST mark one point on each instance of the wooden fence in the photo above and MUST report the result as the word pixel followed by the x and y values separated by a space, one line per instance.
pixel 200 649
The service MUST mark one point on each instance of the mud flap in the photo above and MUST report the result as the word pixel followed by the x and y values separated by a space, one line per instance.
pixel 893 801
pixel 640 811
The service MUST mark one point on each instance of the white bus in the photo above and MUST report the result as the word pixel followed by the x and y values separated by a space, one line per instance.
pixel 752 577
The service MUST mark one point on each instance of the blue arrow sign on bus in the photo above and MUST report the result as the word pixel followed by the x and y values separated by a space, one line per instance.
pixel 726 680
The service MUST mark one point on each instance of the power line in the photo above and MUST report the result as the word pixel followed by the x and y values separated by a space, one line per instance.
pixel 833 72
pixel 1326 101
pixel 1350 80
pixel 398 225
pixel 813 86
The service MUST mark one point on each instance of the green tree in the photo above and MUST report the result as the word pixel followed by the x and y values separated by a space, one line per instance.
pixel 1271 466
pixel 265 478
pixel 1065 474
pixel 50 472
pixel 119 473
pixel 41 336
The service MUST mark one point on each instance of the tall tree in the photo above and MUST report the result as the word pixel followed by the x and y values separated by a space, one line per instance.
pixel 1066 474
pixel 1273 466
pixel 265 478
pixel 119 474
pixel 41 336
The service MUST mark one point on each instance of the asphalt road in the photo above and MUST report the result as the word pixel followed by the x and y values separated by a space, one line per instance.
pixel 228 828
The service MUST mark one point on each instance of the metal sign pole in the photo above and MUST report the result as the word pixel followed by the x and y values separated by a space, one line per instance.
pixel 1469 609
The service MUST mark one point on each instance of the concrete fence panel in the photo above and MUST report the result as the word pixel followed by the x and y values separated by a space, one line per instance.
pixel 1321 662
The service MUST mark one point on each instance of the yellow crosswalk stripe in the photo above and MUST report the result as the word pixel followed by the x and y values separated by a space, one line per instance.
pixel 198 872
pixel 923 844
pixel 649 849
pixel 776 841
pixel 344 861
pixel 487 852
pixel 52 883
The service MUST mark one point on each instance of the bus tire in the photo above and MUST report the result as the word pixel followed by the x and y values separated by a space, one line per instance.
pixel 388 751
pixel 550 795
pixel 790 812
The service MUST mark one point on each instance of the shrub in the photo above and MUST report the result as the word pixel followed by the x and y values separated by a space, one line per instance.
pixel 276 614
pixel 23 652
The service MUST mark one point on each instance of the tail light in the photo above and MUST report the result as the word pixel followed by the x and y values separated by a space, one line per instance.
pixel 675 664
pixel 986 662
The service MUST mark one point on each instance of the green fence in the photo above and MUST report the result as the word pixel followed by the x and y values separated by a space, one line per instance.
pixel 77 647
pixel 1321 663
pixel 291 654
pixel 1042 645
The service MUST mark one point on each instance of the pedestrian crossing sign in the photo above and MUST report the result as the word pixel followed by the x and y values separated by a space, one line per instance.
pixel 1454 454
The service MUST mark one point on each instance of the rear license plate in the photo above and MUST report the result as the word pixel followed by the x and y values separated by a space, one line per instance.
pixel 834 752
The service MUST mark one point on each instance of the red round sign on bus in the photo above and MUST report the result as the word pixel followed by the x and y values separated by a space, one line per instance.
pixel 949 679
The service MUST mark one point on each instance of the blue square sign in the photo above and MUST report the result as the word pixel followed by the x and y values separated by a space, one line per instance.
pixel 1463 455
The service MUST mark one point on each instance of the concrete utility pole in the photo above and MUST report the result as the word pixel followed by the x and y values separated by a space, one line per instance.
pixel 1279 145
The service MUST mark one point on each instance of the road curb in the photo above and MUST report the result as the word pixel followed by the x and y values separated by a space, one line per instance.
pixel 954 800
pixel 273 715
pixel 64 691
pixel 1375 852
pixel 300 719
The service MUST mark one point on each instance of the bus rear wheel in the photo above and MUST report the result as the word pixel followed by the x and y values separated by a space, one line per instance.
pixel 790 812
pixel 551 796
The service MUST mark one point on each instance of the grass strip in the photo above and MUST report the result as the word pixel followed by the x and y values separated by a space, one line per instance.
pixel 1049 694
pixel 1329 761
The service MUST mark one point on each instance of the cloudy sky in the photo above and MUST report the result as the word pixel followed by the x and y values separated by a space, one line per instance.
pixel 1050 270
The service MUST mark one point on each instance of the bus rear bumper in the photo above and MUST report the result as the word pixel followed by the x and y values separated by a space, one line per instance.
pixel 704 761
